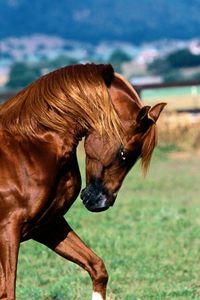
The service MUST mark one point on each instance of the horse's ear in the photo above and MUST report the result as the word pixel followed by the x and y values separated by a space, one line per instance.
pixel 155 111
pixel 149 115
pixel 107 73
pixel 143 114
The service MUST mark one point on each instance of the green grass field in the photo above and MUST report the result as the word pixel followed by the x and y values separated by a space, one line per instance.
pixel 170 92
pixel 176 98
pixel 150 240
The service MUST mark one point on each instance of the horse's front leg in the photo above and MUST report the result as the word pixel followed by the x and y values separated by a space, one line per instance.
pixel 9 247
pixel 64 241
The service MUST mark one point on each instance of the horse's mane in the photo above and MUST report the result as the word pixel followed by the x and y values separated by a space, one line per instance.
pixel 149 143
pixel 71 97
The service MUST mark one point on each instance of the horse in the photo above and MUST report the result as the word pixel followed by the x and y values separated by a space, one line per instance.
pixel 40 128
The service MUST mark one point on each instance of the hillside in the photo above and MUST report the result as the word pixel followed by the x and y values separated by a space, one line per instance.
pixel 93 20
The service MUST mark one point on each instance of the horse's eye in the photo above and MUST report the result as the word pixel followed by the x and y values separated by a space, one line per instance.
pixel 123 155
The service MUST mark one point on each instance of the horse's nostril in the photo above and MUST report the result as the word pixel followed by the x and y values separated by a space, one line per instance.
pixel 85 196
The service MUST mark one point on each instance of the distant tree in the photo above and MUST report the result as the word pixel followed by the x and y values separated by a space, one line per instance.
pixel 117 58
pixel 22 74
pixel 183 58
pixel 159 66
pixel 174 61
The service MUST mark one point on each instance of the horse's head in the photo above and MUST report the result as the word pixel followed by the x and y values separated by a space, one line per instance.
pixel 108 162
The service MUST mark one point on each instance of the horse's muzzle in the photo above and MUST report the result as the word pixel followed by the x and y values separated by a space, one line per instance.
pixel 95 197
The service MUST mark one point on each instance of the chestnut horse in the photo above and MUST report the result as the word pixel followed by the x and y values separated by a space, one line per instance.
pixel 40 129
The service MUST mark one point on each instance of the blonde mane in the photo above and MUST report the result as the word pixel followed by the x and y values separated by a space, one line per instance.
pixel 71 97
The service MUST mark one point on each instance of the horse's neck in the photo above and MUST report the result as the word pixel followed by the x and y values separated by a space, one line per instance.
pixel 63 146
pixel 126 103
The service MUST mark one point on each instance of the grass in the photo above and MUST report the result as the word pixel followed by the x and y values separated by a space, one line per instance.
pixel 150 240
pixel 177 98
pixel 170 92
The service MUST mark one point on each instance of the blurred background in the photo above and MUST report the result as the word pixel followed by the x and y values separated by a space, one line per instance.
pixel 150 240
pixel 155 44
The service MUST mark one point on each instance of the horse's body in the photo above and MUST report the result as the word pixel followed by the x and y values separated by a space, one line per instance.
pixel 40 129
